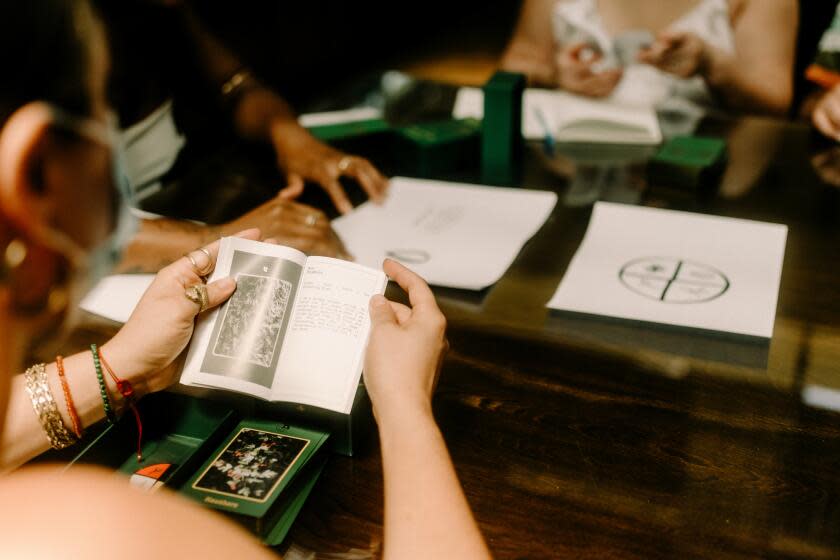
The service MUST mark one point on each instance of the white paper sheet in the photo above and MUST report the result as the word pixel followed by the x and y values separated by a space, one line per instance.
pixel 115 297
pixel 452 234
pixel 571 118
pixel 676 268
pixel 309 120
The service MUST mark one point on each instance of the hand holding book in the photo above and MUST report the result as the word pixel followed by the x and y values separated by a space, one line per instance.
pixel 401 383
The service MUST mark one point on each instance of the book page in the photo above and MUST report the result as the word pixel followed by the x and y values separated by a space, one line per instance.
pixel 238 345
pixel 321 360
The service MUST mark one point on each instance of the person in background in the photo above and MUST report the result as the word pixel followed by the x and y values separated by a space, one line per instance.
pixel 822 106
pixel 62 223
pixel 145 81
pixel 735 54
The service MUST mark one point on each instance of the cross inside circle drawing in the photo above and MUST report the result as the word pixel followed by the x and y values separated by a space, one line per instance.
pixel 673 280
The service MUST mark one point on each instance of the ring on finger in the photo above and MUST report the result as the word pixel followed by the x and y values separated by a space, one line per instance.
pixel 311 220
pixel 344 163
pixel 197 293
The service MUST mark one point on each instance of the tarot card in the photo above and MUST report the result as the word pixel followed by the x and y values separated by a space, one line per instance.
pixel 252 319
pixel 252 465
pixel 628 44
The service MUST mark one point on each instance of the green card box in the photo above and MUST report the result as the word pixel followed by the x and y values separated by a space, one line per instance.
pixel 345 131
pixel 688 163
pixel 429 149
pixel 347 431
pixel 177 430
pixel 501 143
pixel 261 475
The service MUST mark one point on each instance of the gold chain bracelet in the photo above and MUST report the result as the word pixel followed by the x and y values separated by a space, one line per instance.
pixel 38 387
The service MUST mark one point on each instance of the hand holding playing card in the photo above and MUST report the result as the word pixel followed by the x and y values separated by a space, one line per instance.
pixel 577 72
pixel 680 53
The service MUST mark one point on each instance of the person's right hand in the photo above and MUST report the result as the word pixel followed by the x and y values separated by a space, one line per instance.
pixel 575 72
pixel 296 225
pixel 826 115
pixel 405 350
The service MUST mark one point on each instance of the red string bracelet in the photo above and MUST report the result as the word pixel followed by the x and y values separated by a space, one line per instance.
pixel 127 391
pixel 68 398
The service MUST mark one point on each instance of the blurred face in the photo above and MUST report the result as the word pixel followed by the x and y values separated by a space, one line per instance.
pixel 57 197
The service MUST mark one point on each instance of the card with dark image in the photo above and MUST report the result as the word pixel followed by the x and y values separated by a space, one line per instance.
pixel 252 465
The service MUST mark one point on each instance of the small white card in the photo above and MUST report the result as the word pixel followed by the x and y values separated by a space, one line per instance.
pixel 676 268
pixel 452 234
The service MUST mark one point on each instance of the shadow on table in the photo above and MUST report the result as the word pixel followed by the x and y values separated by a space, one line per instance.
pixel 727 348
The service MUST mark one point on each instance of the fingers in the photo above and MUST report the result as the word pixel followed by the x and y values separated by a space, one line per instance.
pixel 601 84
pixel 419 293
pixel 825 125
pixel 583 53
pixel 201 262
pixel 294 187
pixel 402 312
pixel 336 193
pixel 381 312
pixel 219 291
pixel 371 181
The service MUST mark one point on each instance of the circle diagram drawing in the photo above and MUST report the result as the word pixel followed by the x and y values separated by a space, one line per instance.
pixel 673 280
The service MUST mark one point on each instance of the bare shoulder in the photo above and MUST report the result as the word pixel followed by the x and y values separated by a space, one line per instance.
pixel 44 509
pixel 781 8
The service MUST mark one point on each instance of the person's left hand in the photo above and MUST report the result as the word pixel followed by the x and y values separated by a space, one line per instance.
pixel 680 53
pixel 302 158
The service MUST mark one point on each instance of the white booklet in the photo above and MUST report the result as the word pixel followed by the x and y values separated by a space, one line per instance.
pixel 676 268
pixel 295 329
pixel 451 234
pixel 572 118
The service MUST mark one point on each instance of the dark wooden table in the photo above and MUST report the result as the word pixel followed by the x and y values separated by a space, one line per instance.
pixel 598 440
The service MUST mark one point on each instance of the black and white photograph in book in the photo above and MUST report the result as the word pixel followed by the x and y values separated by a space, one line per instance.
pixel 252 465
pixel 252 320
pixel 249 328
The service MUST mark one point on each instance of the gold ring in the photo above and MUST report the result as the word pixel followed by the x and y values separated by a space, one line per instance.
pixel 311 220
pixel 197 293
pixel 344 164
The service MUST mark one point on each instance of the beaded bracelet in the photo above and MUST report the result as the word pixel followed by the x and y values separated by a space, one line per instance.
pixel 38 387
pixel 103 388
pixel 68 398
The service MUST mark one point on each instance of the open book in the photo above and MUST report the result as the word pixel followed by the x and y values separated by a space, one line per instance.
pixel 295 329
pixel 572 118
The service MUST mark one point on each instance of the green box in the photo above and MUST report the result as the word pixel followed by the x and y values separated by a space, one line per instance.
pixel 344 131
pixel 501 145
pixel 177 430
pixel 688 163
pixel 434 148
pixel 261 475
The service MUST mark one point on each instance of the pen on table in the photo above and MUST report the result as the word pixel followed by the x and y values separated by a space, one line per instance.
pixel 548 140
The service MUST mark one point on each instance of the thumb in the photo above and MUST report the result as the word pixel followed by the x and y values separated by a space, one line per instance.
pixel 381 312
pixel 294 187
pixel 219 291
